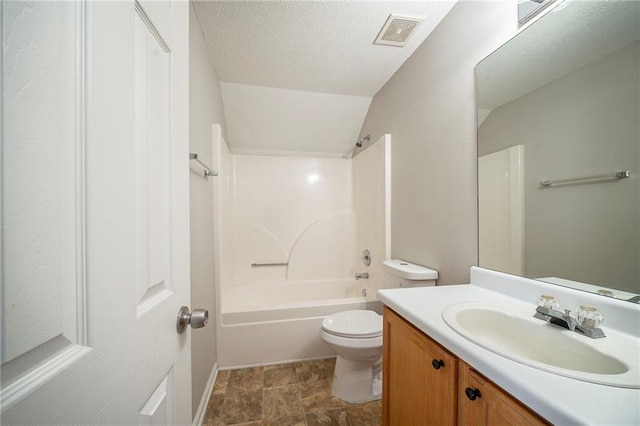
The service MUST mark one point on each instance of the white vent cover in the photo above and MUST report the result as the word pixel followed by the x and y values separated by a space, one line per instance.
pixel 397 30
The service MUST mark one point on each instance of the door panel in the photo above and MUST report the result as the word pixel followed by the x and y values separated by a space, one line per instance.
pixel 158 410
pixel 152 154
pixel 39 188
pixel 42 173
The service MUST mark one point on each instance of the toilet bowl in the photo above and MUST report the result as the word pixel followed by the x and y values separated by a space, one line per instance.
pixel 356 338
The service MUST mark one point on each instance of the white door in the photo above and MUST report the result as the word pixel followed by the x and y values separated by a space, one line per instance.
pixel 94 213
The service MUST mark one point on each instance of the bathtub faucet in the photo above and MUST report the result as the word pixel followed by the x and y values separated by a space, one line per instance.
pixel 362 275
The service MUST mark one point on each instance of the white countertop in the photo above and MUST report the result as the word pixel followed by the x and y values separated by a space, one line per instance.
pixel 560 400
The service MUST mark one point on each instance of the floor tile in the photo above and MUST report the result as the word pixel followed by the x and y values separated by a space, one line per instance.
pixel 222 379
pixel 367 414
pixel 317 396
pixel 212 414
pixel 330 366
pixel 241 407
pixel 281 401
pixel 335 417
pixel 280 375
pixel 310 371
pixel 246 379
pixel 285 421
pixel 297 394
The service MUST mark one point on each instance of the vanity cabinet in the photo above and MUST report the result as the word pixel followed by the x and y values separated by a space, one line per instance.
pixel 424 384
pixel 480 402
pixel 419 377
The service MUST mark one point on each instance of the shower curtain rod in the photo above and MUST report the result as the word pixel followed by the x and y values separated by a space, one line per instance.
pixel 349 154
pixel 207 171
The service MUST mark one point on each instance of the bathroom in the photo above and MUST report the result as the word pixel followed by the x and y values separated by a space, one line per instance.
pixel 427 109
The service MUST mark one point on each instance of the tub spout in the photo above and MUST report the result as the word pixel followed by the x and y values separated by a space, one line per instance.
pixel 362 275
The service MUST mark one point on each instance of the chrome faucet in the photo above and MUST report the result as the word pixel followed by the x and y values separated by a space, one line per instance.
pixel 587 323
pixel 556 317
pixel 362 275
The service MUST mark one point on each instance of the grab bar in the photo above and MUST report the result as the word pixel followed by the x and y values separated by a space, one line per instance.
pixel 587 179
pixel 254 264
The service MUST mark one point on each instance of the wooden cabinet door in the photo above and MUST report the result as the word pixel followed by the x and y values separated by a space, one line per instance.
pixel 487 404
pixel 414 391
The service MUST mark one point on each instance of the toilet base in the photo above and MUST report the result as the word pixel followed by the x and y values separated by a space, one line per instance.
pixel 357 381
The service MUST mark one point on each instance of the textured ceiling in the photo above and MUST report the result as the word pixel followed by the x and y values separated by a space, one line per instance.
pixel 315 46
pixel 567 38
pixel 322 49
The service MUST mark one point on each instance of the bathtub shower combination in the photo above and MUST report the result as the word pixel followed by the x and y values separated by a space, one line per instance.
pixel 301 249
pixel 289 235
pixel 301 320
pixel 282 321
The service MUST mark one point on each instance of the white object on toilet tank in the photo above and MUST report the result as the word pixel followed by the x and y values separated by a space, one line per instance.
pixel 398 273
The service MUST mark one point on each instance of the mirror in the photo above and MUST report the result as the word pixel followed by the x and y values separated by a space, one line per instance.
pixel 560 102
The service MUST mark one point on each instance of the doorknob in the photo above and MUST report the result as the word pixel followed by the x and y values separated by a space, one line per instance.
pixel 196 319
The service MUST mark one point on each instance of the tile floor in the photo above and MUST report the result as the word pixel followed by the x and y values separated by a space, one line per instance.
pixel 297 394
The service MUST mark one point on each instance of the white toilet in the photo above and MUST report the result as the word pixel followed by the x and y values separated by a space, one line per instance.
pixel 356 337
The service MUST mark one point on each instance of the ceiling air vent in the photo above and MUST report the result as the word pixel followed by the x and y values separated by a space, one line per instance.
pixel 397 30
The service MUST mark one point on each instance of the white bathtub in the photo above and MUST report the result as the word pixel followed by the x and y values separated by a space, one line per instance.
pixel 278 322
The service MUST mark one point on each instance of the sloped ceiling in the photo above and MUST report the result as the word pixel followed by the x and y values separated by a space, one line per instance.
pixel 298 76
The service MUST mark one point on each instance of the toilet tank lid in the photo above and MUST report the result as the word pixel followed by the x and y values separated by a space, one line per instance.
pixel 407 270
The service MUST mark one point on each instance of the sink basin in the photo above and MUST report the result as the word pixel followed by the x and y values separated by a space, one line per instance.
pixel 511 331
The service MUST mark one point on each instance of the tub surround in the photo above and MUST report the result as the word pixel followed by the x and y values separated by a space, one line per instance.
pixel 290 238
pixel 296 216
pixel 293 215
pixel 558 399
pixel 277 322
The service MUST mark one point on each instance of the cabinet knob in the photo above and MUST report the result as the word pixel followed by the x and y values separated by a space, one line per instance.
pixel 437 363
pixel 472 394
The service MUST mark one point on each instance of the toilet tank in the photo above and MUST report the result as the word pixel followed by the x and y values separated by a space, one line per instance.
pixel 398 273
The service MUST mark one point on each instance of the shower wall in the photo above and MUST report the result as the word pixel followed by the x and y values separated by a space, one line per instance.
pixel 293 217
pixel 290 232
pixel 371 203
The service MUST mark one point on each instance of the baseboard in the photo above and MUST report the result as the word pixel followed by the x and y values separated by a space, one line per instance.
pixel 202 408
pixel 281 362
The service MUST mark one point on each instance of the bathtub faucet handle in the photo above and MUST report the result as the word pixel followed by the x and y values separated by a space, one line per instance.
pixel 362 275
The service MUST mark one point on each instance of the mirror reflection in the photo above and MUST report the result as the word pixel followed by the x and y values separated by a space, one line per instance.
pixel 558 102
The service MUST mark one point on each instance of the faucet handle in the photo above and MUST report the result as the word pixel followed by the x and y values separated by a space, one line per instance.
pixel 588 317
pixel 548 302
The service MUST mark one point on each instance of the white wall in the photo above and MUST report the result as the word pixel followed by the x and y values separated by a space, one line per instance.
pixel 429 108
pixel 291 210
pixel 205 106
pixel 583 124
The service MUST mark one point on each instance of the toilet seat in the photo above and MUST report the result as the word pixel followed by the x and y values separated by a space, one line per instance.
pixel 357 324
